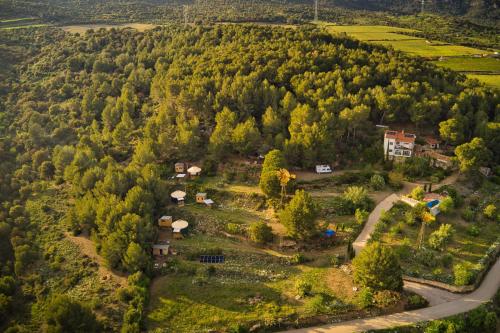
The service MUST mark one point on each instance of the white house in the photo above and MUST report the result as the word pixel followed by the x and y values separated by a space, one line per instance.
pixel 398 144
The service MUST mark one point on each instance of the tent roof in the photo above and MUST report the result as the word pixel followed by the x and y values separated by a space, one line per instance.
pixel 180 224
pixel 178 194
pixel 208 201
pixel 194 169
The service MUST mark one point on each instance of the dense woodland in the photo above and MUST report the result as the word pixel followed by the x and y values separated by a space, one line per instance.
pixel 105 115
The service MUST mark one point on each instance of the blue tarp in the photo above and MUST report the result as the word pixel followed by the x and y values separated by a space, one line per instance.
pixel 432 203
pixel 329 233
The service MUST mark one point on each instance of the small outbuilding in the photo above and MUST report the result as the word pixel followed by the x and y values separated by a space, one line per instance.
pixel 200 197
pixel 194 171
pixel 325 168
pixel 178 197
pixel 180 167
pixel 209 203
pixel 432 142
pixel 165 221
pixel 160 249
pixel 410 201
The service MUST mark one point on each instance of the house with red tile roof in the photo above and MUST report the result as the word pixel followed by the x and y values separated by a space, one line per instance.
pixel 398 144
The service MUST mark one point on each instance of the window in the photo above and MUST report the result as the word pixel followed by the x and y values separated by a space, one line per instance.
pixel 391 143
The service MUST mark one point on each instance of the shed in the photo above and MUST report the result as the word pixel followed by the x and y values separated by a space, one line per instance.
pixel 165 221
pixel 208 202
pixel 410 201
pixel 432 142
pixel 180 167
pixel 323 169
pixel 194 171
pixel 201 197
pixel 180 176
pixel 160 249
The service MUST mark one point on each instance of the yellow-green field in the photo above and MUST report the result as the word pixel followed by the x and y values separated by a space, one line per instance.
pixel 392 36
pixel 489 80
pixel 467 64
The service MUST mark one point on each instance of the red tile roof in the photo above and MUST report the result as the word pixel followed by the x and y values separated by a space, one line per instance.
pixel 431 141
pixel 400 136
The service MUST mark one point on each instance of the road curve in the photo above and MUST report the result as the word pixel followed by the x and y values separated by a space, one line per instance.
pixel 467 302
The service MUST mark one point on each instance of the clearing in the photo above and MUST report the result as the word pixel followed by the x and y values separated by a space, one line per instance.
pixel 84 27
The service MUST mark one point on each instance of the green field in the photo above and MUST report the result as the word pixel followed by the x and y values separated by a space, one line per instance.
pixel 423 48
pixel 465 64
pixel 365 28
pixel 489 80
pixel 377 36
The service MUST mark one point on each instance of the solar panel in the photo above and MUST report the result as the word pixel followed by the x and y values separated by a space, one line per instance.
pixel 212 259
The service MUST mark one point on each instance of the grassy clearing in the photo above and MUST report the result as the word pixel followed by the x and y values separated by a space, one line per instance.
pixel 379 36
pixel 84 27
pixel 252 286
pixel 464 64
pixel 25 26
pixel 489 80
pixel 365 28
pixel 420 47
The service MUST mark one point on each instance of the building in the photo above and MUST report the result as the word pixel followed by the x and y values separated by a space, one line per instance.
pixel 160 249
pixel 209 203
pixel 180 167
pixel 201 197
pixel 432 143
pixel 439 160
pixel 398 145
pixel 165 222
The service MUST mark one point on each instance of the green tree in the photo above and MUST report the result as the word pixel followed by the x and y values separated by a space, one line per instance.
pixel 220 140
pixel 417 193
pixel 446 205
pixel 246 136
pixel 490 211
pixel 472 155
pixel 452 130
pixel 136 259
pixel 64 315
pixel 377 182
pixel 299 216
pixel 378 267
pixel 441 237
pixel 269 182
pixel 260 232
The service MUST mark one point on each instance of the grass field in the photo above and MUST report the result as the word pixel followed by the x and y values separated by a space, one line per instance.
pixel 489 80
pixel 379 36
pixel 464 64
pixel 365 28
pixel 423 48
pixel 84 27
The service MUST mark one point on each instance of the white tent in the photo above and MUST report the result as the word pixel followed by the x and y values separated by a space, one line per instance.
pixel 179 225
pixel 194 170
pixel 178 195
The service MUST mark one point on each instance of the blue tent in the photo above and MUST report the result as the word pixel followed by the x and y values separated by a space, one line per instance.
pixel 329 233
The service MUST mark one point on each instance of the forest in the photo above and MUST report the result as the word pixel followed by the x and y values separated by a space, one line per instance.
pixel 104 115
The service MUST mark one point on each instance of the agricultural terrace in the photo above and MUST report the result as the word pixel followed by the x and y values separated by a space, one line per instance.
pixel 261 283
pixel 489 80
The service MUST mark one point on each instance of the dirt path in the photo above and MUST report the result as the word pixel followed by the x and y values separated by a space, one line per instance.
pixel 464 303
pixel 87 248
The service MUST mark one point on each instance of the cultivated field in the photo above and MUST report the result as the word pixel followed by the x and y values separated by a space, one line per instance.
pixel 423 48
pixel 489 80
pixel 465 64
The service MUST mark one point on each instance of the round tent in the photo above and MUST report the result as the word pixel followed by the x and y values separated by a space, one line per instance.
pixel 194 170
pixel 178 195
pixel 179 225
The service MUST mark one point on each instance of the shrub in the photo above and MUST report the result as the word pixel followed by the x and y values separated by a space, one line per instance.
pixel 468 214
pixel 410 217
pixel 377 182
pixel 463 273
pixel 396 179
pixel 426 257
pixel 358 197
pixel 336 260
pixel 365 297
pixel 298 258
pixel 446 205
pixel 378 267
pixel 303 287
pixel 385 298
pixel 447 260
pixel 260 233
pixel 65 315
pixel 417 193
pixel 234 228
pixel 416 302
pixel 473 231
pixel 361 216
pixel 439 238
pixel 396 229
pixel 490 211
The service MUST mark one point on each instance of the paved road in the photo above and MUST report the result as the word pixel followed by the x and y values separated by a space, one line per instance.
pixel 433 295
pixel 465 303
pixel 373 218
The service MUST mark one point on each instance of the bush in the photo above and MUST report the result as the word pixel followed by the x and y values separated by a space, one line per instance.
pixel 303 288
pixel 417 193
pixel 410 218
pixel 447 260
pixel 365 298
pixel 396 179
pixel 426 258
pixel 439 238
pixel 385 298
pixel 65 315
pixel 260 233
pixel 377 182
pixel 358 197
pixel 361 216
pixel 336 260
pixel 235 229
pixel 298 258
pixel 378 267
pixel 490 211
pixel 468 214
pixel 416 302
pixel 464 273
pixel 473 231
